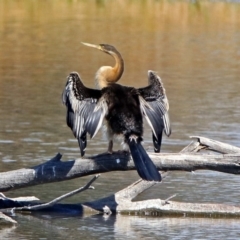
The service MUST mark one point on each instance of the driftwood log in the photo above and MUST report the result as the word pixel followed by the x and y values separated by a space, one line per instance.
pixel 224 158
pixel 56 170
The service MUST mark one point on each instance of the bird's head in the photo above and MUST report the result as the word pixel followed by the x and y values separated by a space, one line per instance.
pixel 109 49
pixel 107 75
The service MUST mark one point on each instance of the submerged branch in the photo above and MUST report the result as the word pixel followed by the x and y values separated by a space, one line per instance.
pixel 58 199
pixel 121 202
pixel 4 219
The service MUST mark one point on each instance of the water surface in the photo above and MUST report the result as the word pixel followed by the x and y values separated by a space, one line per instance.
pixel 195 48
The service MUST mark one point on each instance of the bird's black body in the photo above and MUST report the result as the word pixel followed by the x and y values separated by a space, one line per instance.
pixel 124 114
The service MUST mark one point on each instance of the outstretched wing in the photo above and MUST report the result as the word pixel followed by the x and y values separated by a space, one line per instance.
pixel 154 106
pixel 85 109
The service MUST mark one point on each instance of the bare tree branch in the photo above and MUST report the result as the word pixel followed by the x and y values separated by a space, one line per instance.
pixel 58 199
pixel 122 200
pixel 216 145
pixel 19 199
pixel 192 147
pixel 4 219
pixel 56 170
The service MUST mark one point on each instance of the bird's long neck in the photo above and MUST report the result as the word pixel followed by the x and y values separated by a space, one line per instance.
pixel 107 75
pixel 118 68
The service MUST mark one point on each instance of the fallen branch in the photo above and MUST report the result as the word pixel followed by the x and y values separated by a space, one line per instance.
pixel 122 201
pixel 4 219
pixel 19 199
pixel 216 145
pixel 58 199
pixel 56 170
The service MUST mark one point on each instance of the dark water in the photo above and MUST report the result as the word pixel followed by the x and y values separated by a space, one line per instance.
pixel 194 46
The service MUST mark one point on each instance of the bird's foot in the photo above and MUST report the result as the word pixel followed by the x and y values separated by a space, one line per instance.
pixel 110 152
pixel 110 147
pixel 125 152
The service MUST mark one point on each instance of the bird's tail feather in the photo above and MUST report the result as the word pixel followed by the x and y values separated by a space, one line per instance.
pixel 144 165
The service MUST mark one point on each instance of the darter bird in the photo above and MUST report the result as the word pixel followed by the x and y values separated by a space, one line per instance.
pixel 121 107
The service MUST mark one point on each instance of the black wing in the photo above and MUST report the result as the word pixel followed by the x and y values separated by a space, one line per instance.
pixel 85 109
pixel 154 105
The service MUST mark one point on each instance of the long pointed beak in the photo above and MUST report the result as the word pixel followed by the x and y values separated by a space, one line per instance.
pixel 92 45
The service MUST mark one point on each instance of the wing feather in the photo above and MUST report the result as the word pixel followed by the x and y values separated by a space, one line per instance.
pixel 154 105
pixel 81 115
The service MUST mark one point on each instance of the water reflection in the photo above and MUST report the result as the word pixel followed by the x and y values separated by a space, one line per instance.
pixel 194 46
pixel 122 227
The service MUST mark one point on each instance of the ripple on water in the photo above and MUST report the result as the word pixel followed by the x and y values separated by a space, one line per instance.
pixel 31 140
pixel 52 143
pixel 6 141
pixel 69 149
pixel 8 159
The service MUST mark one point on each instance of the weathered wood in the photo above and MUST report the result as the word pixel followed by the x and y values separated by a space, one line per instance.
pixel 161 207
pixel 4 219
pixel 227 163
pixel 19 199
pixel 216 145
pixel 122 200
pixel 66 170
pixel 194 146
pixel 56 170
pixel 58 199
